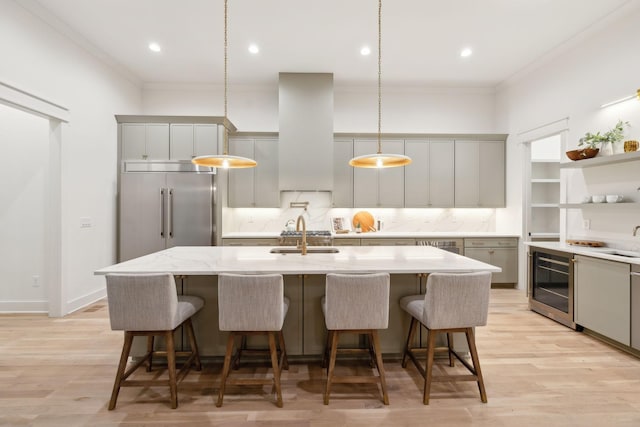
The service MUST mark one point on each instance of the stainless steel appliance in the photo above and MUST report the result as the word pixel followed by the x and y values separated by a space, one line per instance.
pixel 449 245
pixel 314 238
pixel 635 307
pixel 550 286
pixel 164 204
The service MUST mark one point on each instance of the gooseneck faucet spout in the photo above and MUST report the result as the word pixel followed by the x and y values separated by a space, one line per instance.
pixel 635 230
pixel 304 233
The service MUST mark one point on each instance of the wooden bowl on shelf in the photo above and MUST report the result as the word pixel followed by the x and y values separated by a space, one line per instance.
pixel 585 153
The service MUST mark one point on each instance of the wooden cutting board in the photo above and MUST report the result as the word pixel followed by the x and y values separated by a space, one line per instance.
pixel 590 243
pixel 366 221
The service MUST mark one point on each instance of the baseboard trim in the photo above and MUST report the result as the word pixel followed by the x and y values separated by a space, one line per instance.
pixel 24 307
pixel 83 301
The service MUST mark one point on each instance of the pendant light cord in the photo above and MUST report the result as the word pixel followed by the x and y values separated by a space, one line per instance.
pixel 225 149
pixel 379 76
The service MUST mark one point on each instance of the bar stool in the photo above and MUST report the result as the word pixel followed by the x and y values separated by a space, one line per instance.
pixel 148 305
pixel 452 303
pixel 252 305
pixel 355 303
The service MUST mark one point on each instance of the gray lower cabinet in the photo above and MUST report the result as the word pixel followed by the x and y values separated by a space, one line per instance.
pixel 479 174
pixel 602 297
pixel 501 252
pixel 254 187
pixel 347 241
pixel 374 241
pixel 635 307
pixel 250 242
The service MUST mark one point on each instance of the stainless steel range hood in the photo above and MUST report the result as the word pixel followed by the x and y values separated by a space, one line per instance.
pixel 306 131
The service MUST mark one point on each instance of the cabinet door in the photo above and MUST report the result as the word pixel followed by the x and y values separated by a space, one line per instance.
pixel 505 258
pixel 241 181
pixel 491 174
pixel 181 147
pixel 479 174
pixel 441 173
pixel 342 174
pixel 416 175
pixel 157 141
pixel 205 139
pixel 190 209
pixel 387 242
pixel 602 297
pixel 266 180
pixel 467 173
pixel 133 141
pixel 391 180
pixel 365 180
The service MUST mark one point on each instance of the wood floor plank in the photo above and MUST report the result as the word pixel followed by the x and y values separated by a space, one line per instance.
pixel 59 372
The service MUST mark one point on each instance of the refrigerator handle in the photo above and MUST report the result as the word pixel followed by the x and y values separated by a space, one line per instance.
pixel 162 212
pixel 170 213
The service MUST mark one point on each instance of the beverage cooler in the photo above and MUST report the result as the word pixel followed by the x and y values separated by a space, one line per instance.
pixel 550 285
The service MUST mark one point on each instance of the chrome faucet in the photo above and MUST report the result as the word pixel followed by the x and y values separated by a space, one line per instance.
pixel 304 233
pixel 635 230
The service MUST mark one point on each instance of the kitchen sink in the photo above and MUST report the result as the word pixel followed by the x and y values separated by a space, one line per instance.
pixel 618 252
pixel 310 250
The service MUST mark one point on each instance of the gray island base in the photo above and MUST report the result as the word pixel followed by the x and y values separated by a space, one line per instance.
pixel 196 270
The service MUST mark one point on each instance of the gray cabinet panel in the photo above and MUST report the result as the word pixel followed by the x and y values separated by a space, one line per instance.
pixel 479 174
pixel 254 187
pixel 365 181
pixel 205 139
pixel 157 141
pixel 190 202
pixel 342 174
pixel 181 147
pixel 429 179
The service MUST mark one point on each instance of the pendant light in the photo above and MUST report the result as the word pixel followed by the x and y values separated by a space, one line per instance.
pixel 224 160
pixel 380 159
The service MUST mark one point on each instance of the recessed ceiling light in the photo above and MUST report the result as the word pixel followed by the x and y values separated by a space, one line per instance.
pixel 466 52
pixel 154 47
pixel 254 48
pixel 366 50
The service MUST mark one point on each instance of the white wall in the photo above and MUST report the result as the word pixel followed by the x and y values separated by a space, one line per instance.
pixel 573 81
pixel 40 60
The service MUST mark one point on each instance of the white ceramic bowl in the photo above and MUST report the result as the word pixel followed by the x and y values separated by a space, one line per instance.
pixel 613 198
pixel 598 198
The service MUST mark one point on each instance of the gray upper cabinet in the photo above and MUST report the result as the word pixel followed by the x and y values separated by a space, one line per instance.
pixel 342 173
pixel 191 140
pixel 429 179
pixel 479 174
pixel 254 187
pixel 378 187
pixel 145 141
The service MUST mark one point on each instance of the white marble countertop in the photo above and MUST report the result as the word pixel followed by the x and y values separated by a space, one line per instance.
pixel 380 234
pixel 212 260
pixel 588 251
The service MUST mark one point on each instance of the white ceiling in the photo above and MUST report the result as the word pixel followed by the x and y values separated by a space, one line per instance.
pixel 421 39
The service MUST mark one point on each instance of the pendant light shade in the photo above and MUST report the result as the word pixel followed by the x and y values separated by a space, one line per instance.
pixel 380 159
pixel 224 160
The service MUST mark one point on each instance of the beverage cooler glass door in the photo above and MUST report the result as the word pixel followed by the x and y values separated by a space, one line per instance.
pixel 551 280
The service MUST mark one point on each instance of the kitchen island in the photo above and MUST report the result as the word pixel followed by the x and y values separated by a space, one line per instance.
pixel 196 270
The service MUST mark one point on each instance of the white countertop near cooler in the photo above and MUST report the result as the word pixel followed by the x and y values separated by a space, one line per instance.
pixel 585 250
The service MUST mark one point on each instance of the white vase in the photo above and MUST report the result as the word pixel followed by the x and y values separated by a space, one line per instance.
pixel 606 149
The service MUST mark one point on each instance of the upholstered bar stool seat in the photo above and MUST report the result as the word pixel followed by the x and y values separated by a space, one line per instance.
pixel 148 305
pixel 355 303
pixel 252 305
pixel 452 303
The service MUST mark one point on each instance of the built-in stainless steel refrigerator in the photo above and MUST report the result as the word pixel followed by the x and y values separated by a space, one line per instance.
pixel 165 204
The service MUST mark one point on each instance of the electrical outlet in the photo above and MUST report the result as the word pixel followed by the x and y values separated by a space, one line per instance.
pixel 36 281
pixel 586 224
pixel 85 222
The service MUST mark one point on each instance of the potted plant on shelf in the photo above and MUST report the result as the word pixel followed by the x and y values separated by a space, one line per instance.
pixel 592 140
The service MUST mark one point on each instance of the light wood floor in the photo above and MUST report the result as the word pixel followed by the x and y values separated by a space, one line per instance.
pixel 537 373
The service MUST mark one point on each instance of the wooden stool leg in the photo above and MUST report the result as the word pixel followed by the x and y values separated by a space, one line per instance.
pixel 193 344
pixel 332 363
pixel 276 370
pixel 171 366
pixel 327 349
pixel 450 346
pixel 471 340
pixel 376 349
pixel 124 356
pixel 284 361
pixel 431 343
pixel 226 366
pixel 407 348
pixel 150 339
pixel 241 347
